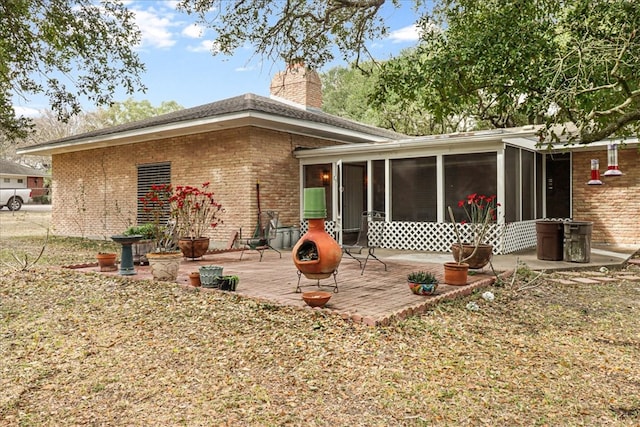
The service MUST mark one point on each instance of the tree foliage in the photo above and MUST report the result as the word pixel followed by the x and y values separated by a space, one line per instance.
pixel 497 63
pixel 572 66
pixel 68 50
pixel 346 92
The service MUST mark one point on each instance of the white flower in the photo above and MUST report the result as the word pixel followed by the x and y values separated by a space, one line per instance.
pixel 473 306
pixel 603 269
pixel 488 296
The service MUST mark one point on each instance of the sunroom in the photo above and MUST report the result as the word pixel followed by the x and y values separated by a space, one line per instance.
pixel 413 182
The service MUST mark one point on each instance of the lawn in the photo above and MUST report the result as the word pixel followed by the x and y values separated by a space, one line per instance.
pixel 82 349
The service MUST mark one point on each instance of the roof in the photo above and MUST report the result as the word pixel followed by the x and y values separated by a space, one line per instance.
pixel 244 110
pixel 11 168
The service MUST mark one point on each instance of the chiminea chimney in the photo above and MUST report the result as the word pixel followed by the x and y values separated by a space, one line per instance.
pixel 299 85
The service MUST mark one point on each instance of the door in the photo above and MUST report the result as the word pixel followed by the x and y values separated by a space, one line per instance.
pixel 353 199
pixel 558 185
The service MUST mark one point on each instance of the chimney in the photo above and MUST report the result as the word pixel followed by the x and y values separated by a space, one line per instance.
pixel 299 85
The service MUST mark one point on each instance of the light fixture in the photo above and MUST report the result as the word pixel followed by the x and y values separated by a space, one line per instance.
pixel 612 157
pixel 595 173
pixel 326 177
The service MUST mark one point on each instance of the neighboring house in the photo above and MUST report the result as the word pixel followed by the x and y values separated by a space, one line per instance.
pixel 286 143
pixel 13 175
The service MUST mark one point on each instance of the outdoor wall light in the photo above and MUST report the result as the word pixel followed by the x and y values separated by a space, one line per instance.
pixel 612 157
pixel 326 177
pixel 595 173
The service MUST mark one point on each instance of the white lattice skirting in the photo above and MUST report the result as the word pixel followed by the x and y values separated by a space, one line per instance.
pixel 438 236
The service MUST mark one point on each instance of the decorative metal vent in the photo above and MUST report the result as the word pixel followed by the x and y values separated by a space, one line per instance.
pixel 148 175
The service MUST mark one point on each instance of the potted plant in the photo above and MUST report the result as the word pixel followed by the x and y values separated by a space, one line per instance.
pixel 195 211
pixel 422 282
pixel 480 211
pixel 164 261
pixel 144 246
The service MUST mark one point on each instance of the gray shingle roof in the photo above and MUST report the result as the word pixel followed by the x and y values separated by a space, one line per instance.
pixel 244 103
pixel 11 168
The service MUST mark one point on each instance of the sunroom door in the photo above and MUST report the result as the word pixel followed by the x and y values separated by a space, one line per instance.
pixel 352 200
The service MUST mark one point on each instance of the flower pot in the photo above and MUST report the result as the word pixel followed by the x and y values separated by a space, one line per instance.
pixel 316 298
pixel 209 274
pixel 164 265
pixel 423 288
pixel 455 274
pixel 227 283
pixel 479 259
pixel 194 247
pixel 107 261
pixel 194 279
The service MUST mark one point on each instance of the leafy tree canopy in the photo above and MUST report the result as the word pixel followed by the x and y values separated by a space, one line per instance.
pixel 66 49
pixel 346 92
pixel 498 62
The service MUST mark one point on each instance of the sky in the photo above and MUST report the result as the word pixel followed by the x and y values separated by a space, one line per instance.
pixel 181 67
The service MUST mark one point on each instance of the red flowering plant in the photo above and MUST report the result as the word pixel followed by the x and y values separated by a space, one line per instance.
pixel 156 208
pixel 481 212
pixel 195 210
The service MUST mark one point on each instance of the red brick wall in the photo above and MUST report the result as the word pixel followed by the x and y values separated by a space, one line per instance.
pixel 613 207
pixel 95 190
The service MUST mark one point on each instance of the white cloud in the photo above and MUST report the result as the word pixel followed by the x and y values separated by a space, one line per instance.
pixel 405 34
pixel 155 27
pixel 205 46
pixel 193 31
pixel 26 112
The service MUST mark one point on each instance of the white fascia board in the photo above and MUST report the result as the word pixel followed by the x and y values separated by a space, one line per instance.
pixel 443 144
pixel 246 118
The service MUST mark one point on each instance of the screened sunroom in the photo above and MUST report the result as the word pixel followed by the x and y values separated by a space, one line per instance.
pixel 414 181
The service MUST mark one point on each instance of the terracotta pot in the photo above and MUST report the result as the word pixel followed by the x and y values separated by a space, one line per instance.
pixel 193 247
pixel 455 274
pixel 316 298
pixel 194 279
pixel 107 261
pixel 164 265
pixel 479 259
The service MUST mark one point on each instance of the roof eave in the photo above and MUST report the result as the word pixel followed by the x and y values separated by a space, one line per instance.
pixel 210 124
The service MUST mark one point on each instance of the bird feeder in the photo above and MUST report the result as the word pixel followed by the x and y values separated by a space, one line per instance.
pixel 612 157
pixel 595 173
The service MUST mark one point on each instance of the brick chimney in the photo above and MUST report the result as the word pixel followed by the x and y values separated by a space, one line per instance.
pixel 299 85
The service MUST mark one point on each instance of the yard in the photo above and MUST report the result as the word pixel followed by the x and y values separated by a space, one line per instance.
pixel 84 349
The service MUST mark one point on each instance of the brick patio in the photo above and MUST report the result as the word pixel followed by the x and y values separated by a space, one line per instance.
pixel 376 298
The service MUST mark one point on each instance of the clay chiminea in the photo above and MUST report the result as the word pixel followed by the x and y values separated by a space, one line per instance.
pixel 316 255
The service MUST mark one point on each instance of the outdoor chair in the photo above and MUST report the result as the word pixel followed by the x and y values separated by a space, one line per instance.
pixel 370 235
pixel 266 231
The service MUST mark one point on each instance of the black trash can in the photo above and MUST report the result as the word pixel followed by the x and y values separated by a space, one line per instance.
pixel 577 241
pixel 549 235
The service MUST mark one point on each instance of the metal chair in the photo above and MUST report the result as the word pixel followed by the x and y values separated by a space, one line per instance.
pixel 370 235
pixel 266 231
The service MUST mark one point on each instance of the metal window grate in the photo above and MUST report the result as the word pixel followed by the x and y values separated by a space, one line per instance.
pixel 148 175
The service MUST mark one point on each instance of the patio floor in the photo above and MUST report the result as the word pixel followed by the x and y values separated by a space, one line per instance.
pixel 377 297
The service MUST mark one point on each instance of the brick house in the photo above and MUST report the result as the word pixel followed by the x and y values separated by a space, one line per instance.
pixel 233 143
pixel 286 143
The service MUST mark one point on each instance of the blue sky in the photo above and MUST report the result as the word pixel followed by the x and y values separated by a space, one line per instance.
pixel 181 67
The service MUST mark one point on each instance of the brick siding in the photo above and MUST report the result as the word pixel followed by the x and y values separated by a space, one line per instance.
pixel 614 208
pixel 298 84
pixel 96 189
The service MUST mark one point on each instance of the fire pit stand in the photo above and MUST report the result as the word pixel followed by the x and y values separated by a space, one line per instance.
pixel 335 286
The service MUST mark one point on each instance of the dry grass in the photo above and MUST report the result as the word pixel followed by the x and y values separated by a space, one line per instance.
pixel 81 349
